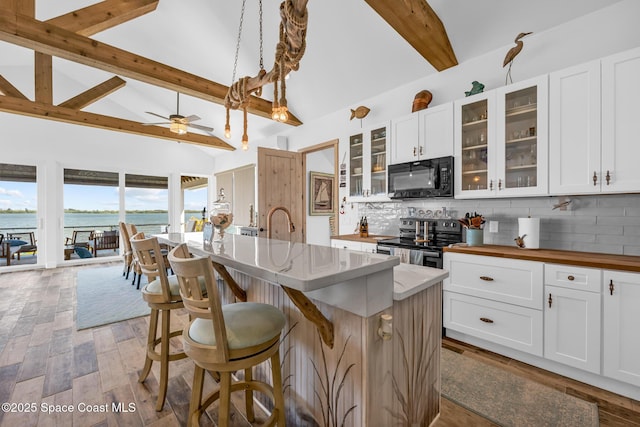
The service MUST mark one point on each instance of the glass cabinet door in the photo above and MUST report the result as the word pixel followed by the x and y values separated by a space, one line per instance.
pixel 521 138
pixel 378 158
pixel 356 165
pixel 474 143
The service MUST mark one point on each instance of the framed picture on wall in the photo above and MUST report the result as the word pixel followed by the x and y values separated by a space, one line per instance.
pixel 321 194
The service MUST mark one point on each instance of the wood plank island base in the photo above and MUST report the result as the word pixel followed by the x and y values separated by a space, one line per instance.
pixel 363 379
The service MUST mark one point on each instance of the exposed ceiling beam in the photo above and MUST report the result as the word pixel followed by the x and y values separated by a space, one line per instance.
pixel 7 89
pixel 24 7
pixel 94 94
pixel 67 115
pixel 102 16
pixel 43 68
pixel 418 24
pixel 46 38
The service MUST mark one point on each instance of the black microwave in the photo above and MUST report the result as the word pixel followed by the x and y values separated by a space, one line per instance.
pixel 421 179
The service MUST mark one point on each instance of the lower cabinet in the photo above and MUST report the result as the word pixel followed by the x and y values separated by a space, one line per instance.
pixel 506 324
pixel 588 318
pixel 353 245
pixel 572 316
pixel 621 326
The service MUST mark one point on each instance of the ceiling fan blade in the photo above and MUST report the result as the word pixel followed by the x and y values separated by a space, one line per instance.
pixel 192 118
pixel 157 115
pixel 158 123
pixel 204 128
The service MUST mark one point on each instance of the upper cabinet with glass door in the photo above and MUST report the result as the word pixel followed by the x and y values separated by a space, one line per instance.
pixel 501 142
pixel 522 134
pixel 368 165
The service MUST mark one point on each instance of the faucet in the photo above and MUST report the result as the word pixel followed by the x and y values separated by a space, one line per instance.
pixel 292 227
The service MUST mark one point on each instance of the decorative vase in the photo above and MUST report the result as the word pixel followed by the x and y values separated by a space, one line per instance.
pixel 221 218
pixel 475 236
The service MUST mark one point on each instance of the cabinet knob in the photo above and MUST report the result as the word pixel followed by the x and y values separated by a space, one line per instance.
pixel 570 278
pixel 550 300
pixel 491 185
pixel 611 287
pixel 595 178
pixel 608 177
pixel 486 278
pixel 486 320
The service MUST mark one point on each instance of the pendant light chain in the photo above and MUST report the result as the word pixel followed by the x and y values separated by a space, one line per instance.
pixel 261 52
pixel 235 63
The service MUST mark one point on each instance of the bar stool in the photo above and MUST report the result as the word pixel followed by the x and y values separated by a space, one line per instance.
pixel 225 339
pixel 162 293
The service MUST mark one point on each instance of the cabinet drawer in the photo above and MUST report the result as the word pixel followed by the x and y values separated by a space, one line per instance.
pixel 512 326
pixel 572 277
pixel 499 279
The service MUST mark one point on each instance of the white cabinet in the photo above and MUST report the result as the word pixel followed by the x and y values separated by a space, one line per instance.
pixel 493 300
pixel 426 134
pixel 593 127
pixel 368 165
pixel 621 320
pixel 620 134
pixel 353 245
pixel 574 129
pixel 572 316
pixel 501 141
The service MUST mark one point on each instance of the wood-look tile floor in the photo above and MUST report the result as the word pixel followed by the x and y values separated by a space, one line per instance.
pixel 45 361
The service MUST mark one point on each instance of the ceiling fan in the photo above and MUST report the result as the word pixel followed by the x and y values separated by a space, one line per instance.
pixel 179 123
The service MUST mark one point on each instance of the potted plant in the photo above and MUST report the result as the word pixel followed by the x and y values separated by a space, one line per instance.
pixel 473 223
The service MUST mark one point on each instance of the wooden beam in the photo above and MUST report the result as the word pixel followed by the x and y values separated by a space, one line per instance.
pixel 52 40
pixel 92 95
pixel 102 16
pixel 23 7
pixel 418 24
pixel 7 89
pixel 67 115
pixel 43 69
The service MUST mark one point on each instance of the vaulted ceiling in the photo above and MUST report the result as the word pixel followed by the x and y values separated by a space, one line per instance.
pixel 105 63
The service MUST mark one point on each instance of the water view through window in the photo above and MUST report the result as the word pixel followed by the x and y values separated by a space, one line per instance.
pixel 18 215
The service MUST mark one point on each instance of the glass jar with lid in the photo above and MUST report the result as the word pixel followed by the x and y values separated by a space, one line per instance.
pixel 221 216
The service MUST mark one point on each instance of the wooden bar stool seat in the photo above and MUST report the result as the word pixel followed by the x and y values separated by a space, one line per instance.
pixel 162 293
pixel 227 338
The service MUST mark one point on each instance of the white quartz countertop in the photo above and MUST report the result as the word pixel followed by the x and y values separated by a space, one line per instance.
pixel 299 266
pixel 409 279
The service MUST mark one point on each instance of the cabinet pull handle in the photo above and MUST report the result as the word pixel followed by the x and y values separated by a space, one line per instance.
pixel 608 177
pixel 486 278
pixel 486 320
pixel 550 300
pixel 491 185
pixel 414 151
pixel 500 184
pixel 570 277
pixel 611 287
pixel 595 178
pixel 420 151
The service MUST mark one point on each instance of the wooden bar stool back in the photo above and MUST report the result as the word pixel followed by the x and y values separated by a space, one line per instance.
pixel 163 295
pixel 225 339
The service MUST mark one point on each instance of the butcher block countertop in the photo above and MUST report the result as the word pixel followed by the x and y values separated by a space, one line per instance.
pixel 373 238
pixel 585 259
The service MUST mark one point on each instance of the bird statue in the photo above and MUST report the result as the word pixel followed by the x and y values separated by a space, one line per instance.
pixel 520 241
pixel 511 55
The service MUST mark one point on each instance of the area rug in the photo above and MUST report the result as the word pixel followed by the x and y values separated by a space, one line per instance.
pixel 509 400
pixel 104 296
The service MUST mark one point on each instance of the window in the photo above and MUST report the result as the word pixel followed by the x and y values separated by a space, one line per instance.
pixel 18 215
pixel 146 202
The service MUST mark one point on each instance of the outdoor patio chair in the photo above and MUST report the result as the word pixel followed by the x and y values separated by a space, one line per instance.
pixel 105 240
pixel 25 242
pixel 77 239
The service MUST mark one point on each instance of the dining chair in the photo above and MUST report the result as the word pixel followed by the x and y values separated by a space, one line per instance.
pixel 162 294
pixel 227 338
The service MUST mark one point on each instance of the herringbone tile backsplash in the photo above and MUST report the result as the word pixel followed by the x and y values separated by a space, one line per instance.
pixel 603 223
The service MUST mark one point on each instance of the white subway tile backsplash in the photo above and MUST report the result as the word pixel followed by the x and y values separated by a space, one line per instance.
pixel 599 223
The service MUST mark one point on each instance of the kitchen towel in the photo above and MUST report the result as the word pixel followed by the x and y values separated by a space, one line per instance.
pixel 530 229
pixel 403 254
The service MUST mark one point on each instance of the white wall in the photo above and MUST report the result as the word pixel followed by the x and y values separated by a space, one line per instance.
pixel 318 230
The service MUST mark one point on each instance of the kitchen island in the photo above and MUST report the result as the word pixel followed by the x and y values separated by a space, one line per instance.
pixel 356 377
